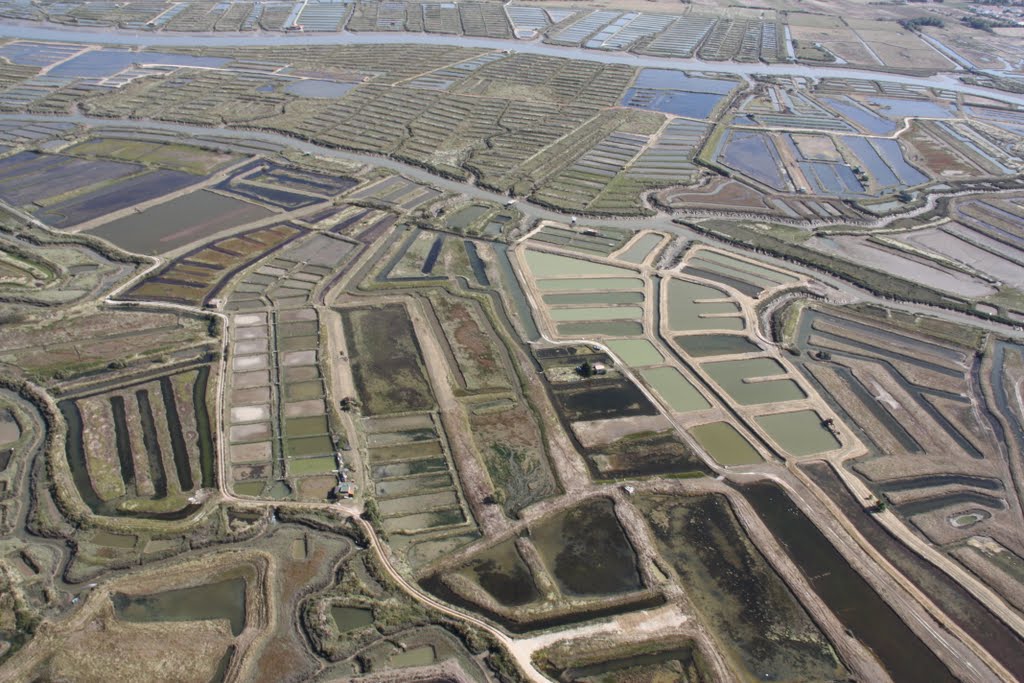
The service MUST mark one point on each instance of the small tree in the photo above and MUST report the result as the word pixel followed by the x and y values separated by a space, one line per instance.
pixel 371 513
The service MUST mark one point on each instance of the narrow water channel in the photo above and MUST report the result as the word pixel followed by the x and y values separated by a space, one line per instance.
pixel 76 455
pixel 958 603
pixel 80 34
pixel 918 393
pixel 515 292
pixel 999 390
pixel 206 445
pixel 854 602
pixel 123 445
pixel 152 444
pixel 178 448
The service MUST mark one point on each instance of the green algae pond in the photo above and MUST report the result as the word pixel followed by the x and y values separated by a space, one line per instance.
pixel 757 623
pixel 395 488
pixel 726 445
pixel 307 426
pixel 704 345
pixel 799 433
pixel 587 298
pixel 309 445
pixel 303 391
pixel 588 284
pixel 689 303
pixel 677 391
pixel 609 328
pixel 636 352
pixel 734 377
pixel 641 249
pixel 545 265
pixel 423 520
pixel 351 618
pixel 298 467
pixel 596 313
pixel 220 600
pixel 248 488
pixel 417 656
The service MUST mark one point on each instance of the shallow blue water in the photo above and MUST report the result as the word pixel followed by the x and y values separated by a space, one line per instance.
pixel 893 155
pixel 870 160
pixel 671 79
pixel 868 120
pixel 99 64
pixel 894 108
pixel 753 154
pixel 690 104
pixel 318 89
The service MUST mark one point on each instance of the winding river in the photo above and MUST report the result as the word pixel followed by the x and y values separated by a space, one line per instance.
pixel 23 30
pixel 663 221
pixel 105 36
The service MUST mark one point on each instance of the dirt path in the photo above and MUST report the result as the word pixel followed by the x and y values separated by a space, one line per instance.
pixel 641 625
pixel 340 384
pixel 522 658
pixel 473 477
pixel 852 652
pixel 260 613
pixel 49 636
pixel 670 619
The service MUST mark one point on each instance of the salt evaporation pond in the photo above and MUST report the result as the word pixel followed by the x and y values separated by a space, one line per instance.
pixel 726 445
pixel 100 64
pixel 318 89
pixel 799 433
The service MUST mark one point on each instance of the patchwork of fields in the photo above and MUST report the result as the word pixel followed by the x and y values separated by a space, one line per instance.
pixel 571 134
pixel 709 32
pixel 656 374
pixel 685 359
